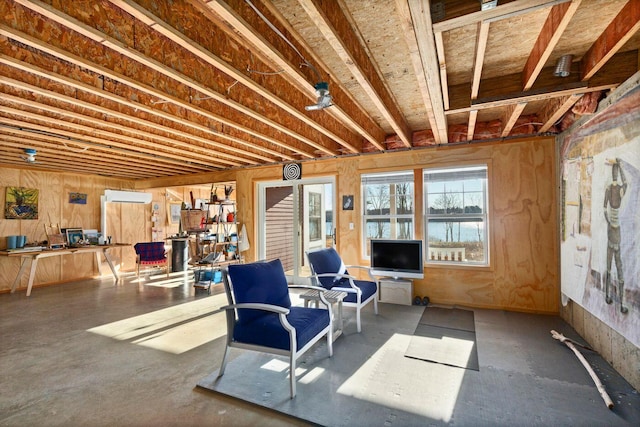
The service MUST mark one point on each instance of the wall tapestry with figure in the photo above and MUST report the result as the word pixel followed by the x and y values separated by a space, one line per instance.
pixel 601 217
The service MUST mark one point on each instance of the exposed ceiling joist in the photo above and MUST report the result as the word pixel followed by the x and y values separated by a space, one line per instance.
pixel 510 117
pixel 358 120
pixel 110 139
pixel 481 46
pixel 153 90
pixel 559 17
pixel 194 48
pixel 499 12
pixel 186 148
pixel 335 26
pixel 471 126
pixel 410 38
pixel 554 111
pixel 96 148
pixel 618 32
pixel 120 78
pixel 426 44
pixel 153 64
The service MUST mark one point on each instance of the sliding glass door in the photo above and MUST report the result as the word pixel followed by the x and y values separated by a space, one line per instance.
pixel 295 217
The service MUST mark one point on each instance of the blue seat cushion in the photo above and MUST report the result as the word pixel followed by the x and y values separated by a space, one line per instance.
pixel 259 282
pixel 368 288
pixel 326 261
pixel 266 330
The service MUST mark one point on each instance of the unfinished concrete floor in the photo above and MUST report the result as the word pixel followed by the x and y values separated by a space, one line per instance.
pixel 93 353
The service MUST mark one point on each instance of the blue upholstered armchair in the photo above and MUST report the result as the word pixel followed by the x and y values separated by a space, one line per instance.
pixel 328 271
pixel 260 316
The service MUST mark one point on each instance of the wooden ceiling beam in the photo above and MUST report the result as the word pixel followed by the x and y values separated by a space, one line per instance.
pixel 115 45
pixel 197 50
pixel 502 11
pixel 510 117
pixel 616 71
pixel 344 108
pixel 442 62
pixel 148 149
pixel 57 165
pixel 410 37
pixel 118 77
pixel 530 96
pixel 557 21
pixel 424 35
pixel 74 102
pixel 180 150
pixel 481 47
pixel 118 159
pixel 170 144
pixel 74 160
pixel 471 126
pixel 337 30
pixel 617 33
pixel 555 109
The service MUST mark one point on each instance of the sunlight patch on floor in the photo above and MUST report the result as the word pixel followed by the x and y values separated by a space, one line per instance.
pixel 187 336
pixel 390 379
pixel 456 350
pixel 138 326
pixel 157 282
pixel 275 365
pixel 311 376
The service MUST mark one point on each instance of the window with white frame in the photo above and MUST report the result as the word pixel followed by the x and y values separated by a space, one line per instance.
pixel 456 215
pixel 388 205
pixel 315 217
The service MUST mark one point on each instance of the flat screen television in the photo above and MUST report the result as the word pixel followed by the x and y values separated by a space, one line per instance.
pixel 400 259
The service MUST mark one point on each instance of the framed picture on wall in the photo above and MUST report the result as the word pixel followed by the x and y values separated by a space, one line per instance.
pixel 74 235
pixel 174 212
pixel 347 203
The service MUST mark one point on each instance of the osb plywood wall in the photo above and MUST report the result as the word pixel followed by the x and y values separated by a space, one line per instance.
pixel 126 223
pixel 523 224
pixel 53 207
pixel 523 274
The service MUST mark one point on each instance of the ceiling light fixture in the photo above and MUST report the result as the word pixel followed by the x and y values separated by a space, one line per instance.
pixel 324 97
pixel 563 66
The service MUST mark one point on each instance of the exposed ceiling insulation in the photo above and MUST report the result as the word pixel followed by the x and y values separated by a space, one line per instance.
pixel 150 88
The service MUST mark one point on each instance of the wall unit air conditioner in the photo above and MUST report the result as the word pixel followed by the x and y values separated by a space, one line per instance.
pixel 117 196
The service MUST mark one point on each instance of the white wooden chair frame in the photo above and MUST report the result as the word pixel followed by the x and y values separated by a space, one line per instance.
pixel 294 353
pixel 353 289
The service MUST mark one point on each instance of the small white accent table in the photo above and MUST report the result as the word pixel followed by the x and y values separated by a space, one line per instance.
pixel 334 298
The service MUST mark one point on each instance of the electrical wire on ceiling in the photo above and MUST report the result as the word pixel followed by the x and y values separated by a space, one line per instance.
pixel 78 150
pixel 231 87
pixel 305 62
pixel 262 73
pixel 321 87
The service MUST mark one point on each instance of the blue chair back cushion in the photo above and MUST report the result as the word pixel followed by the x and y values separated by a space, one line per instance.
pixel 150 251
pixel 268 331
pixel 259 282
pixel 326 261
